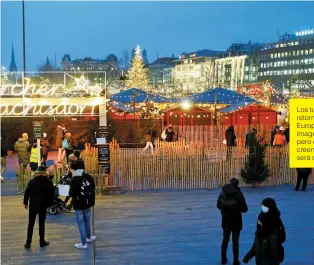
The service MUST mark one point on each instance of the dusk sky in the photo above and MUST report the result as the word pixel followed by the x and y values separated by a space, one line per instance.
pixel 96 29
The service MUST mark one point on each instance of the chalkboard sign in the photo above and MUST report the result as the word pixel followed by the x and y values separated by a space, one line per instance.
pixel 106 168
pixel 102 131
pixel 38 129
pixel 103 153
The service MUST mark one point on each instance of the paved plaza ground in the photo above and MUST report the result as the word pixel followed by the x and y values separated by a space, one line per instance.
pixel 155 228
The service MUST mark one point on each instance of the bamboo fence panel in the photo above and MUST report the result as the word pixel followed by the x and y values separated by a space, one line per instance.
pixel 205 134
pixel 177 165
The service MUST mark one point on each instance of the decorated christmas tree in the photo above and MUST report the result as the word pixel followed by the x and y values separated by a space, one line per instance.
pixel 137 76
pixel 255 170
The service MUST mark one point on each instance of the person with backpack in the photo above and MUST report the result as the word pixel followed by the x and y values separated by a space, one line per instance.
pixel 232 204
pixel 82 191
pixel 269 236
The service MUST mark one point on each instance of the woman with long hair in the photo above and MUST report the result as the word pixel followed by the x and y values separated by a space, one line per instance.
pixel 269 236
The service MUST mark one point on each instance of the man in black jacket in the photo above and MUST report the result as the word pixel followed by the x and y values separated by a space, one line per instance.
pixel 230 140
pixel 82 191
pixel 39 194
pixel 232 204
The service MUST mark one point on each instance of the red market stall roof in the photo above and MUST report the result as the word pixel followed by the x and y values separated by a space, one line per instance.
pixel 194 115
pixel 248 115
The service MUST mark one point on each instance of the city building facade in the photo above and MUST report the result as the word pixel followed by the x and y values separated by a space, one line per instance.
pixel 89 64
pixel 160 71
pixel 206 69
pixel 289 62
pixel 251 64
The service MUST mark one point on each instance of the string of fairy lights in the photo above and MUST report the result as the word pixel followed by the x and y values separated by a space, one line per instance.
pixel 223 99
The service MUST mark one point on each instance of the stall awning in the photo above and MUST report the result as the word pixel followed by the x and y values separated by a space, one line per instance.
pixel 221 96
pixel 139 96
pixel 233 108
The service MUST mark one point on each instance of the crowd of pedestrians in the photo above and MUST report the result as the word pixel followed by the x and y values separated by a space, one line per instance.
pixel 167 136
pixel 267 247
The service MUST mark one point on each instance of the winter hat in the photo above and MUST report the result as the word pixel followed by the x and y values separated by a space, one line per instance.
pixel 78 164
pixel 269 203
pixel 42 169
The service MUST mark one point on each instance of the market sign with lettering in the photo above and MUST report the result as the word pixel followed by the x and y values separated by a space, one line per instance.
pixel 49 106
pixel 48 90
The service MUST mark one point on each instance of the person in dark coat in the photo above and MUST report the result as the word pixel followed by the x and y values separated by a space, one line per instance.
pixel 272 136
pixel 230 140
pixel 22 147
pixel 232 204
pixel 287 135
pixel 303 175
pixel 45 144
pixel 269 236
pixel 169 134
pixel 38 197
pixel 250 138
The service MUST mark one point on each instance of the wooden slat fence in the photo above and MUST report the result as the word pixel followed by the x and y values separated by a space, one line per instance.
pixel 192 167
pixel 176 165
pixel 205 134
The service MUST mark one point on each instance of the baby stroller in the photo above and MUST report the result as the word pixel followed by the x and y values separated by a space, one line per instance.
pixel 59 205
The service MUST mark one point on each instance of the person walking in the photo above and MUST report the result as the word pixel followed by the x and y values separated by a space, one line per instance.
pixel 38 197
pixel 272 135
pixel 67 145
pixel 154 134
pixel 269 236
pixel 45 145
pixel 82 191
pixel 279 138
pixel 4 154
pixel 231 204
pixel 251 140
pixel 287 135
pixel 59 139
pixel 230 140
pixel 34 156
pixel 169 134
pixel 22 147
pixel 149 142
pixel 303 175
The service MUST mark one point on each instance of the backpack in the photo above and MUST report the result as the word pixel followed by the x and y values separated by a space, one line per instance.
pixel 87 192
pixel 229 206
pixel 65 144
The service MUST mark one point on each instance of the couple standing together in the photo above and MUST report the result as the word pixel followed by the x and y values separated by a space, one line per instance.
pixel 269 235
pixel 39 196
